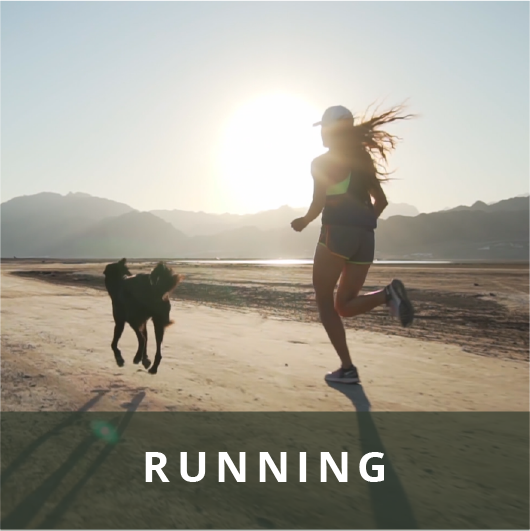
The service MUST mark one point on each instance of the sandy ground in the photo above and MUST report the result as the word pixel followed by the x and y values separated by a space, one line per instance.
pixel 232 349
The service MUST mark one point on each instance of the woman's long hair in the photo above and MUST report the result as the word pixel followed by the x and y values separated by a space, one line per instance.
pixel 376 141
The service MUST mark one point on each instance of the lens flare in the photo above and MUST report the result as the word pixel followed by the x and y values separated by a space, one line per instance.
pixel 105 431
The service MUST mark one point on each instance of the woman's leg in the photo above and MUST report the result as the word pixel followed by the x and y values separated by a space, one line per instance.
pixel 348 301
pixel 327 268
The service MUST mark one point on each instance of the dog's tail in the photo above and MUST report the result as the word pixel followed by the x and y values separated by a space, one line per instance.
pixel 164 280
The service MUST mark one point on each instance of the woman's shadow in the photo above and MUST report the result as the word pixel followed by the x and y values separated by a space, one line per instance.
pixel 355 393
pixel 390 504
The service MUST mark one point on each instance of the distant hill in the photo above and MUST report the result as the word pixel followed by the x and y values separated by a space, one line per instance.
pixel 251 242
pixel 500 232
pixel 506 205
pixel 202 224
pixel 33 224
pixel 399 209
pixel 82 226
pixel 461 234
pixel 134 235
pixel 449 236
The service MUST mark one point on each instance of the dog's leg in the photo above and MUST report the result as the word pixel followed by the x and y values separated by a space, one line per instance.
pixel 138 330
pixel 159 335
pixel 118 331
pixel 146 362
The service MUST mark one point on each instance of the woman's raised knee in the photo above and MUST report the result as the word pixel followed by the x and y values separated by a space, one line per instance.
pixel 345 308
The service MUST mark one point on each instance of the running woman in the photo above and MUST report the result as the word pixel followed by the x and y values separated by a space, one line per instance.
pixel 346 180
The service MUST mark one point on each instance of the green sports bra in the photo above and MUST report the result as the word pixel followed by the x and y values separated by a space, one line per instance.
pixel 339 188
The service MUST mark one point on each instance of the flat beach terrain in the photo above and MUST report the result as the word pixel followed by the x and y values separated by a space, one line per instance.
pixel 247 338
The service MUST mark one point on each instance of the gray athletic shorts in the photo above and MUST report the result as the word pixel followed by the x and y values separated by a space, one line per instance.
pixel 355 244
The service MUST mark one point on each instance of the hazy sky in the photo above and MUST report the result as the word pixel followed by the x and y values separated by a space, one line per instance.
pixel 209 105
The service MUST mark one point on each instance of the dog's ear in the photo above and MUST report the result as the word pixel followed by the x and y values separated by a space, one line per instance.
pixel 123 261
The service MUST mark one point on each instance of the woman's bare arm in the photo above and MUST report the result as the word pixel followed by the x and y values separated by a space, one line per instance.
pixel 379 197
pixel 374 189
pixel 319 200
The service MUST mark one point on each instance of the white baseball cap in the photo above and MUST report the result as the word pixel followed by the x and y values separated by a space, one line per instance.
pixel 334 114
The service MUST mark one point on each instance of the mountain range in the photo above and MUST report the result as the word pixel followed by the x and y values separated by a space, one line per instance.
pixel 78 225
pixel 203 224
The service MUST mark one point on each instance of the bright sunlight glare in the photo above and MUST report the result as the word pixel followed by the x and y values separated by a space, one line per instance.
pixel 266 153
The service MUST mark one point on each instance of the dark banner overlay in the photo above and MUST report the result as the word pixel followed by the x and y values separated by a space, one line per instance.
pixel 362 470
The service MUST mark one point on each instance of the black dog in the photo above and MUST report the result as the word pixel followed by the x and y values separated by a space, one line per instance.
pixel 135 300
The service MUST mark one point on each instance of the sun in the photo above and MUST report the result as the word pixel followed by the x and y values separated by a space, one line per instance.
pixel 266 153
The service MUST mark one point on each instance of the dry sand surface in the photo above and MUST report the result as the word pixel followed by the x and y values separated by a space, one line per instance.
pixel 247 338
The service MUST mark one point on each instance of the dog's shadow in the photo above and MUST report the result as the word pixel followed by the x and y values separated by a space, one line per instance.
pixel 23 513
